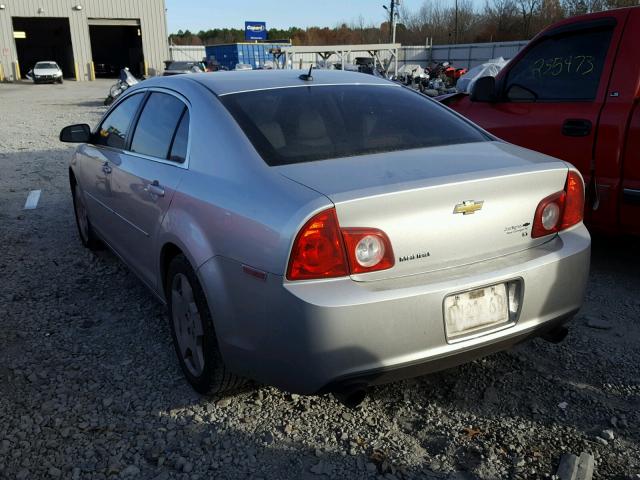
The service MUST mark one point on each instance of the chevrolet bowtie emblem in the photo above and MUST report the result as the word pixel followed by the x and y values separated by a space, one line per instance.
pixel 468 207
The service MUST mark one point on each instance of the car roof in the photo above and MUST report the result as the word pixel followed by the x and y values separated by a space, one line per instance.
pixel 225 83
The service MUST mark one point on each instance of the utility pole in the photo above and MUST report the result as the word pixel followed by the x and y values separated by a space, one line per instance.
pixel 456 25
pixel 392 23
pixel 393 14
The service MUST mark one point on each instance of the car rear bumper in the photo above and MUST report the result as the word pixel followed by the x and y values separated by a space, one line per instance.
pixel 424 366
pixel 316 336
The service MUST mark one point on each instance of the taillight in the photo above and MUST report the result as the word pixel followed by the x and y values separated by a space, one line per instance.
pixel 322 250
pixel 368 249
pixel 560 210
pixel 318 251
pixel 574 203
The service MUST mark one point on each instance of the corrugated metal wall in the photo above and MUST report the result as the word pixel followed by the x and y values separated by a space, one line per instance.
pixel 461 55
pixel 151 14
pixel 465 55
pixel 187 53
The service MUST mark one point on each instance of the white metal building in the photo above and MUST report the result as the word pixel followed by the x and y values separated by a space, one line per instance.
pixel 87 38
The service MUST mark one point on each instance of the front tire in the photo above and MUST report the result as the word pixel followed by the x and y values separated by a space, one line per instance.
pixel 85 231
pixel 193 334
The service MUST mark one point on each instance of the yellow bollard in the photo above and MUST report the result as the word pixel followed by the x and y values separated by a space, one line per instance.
pixel 92 71
pixel 146 69
pixel 16 67
pixel 1 73
pixel 75 65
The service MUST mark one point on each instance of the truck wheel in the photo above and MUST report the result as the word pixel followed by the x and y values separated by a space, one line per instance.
pixel 192 330
pixel 87 236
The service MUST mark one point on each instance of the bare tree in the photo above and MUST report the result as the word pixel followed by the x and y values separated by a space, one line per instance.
pixel 579 7
pixel 500 18
pixel 528 10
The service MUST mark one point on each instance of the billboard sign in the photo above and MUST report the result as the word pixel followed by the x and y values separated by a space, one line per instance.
pixel 255 31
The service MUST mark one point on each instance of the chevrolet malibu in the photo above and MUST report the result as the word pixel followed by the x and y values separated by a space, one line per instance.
pixel 327 232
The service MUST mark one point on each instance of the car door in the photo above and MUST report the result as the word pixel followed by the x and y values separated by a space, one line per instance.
pixel 552 94
pixel 145 179
pixel 96 162
pixel 630 205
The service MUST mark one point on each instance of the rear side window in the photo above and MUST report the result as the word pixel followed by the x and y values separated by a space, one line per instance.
pixel 114 128
pixel 564 67
pixel 157 125
pixel 181 140
pixel 303 124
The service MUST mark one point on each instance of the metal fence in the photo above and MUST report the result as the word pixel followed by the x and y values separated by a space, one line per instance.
pixel 464 55
pixel 186 53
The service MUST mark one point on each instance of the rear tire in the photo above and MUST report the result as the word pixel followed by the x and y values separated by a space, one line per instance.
pixel 193 334
pixel 85 231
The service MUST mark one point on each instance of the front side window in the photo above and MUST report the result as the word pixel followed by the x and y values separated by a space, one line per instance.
pixel 114 128
pixel 157 125
pixel 303 124
pixel 561 68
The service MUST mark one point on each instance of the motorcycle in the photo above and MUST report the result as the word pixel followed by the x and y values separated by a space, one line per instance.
pixel 413 76
pixel 126 81
pixel 446 74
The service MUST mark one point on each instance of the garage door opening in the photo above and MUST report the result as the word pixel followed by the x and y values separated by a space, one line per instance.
pixel 114 47
pixel 41 39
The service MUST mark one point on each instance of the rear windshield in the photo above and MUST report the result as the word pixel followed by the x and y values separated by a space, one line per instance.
pixel 303 124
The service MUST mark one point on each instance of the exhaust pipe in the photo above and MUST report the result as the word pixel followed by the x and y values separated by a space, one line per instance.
pixel 351 396
pixel 556 335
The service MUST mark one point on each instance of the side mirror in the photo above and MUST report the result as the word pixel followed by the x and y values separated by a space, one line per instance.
pixel 80 133
pixel 484 90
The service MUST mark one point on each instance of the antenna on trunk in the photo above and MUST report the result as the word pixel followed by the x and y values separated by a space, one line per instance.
pixel 307 76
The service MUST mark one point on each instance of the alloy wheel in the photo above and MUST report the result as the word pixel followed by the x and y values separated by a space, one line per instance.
pixel 187 324
pixel 81 215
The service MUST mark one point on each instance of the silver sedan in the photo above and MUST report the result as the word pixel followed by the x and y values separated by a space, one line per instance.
pixel 329 232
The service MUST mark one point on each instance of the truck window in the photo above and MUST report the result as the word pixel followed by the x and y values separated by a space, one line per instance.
pixel 560 68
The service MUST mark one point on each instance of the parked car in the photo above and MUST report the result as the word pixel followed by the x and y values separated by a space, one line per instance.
pixel 330 242
pixel 243 66
pixel 573 93
pixel 179 68
pixel 46 72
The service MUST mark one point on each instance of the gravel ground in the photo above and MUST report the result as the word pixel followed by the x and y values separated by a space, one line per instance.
pixel 90 386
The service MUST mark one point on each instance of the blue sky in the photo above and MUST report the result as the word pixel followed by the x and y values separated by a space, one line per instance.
pixel 198 15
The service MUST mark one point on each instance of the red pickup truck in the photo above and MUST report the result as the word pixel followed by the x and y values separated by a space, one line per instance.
pixel 573 93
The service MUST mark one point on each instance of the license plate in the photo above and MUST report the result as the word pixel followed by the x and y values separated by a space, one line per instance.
pixel 468 312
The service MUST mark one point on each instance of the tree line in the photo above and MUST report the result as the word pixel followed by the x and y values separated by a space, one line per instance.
pixel 436 20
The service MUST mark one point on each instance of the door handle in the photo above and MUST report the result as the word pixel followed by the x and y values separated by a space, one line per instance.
pixel 106 168
pixel 154 188
pixel 576 127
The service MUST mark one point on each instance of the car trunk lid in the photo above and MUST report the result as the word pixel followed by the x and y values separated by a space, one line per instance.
pixel 441 207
